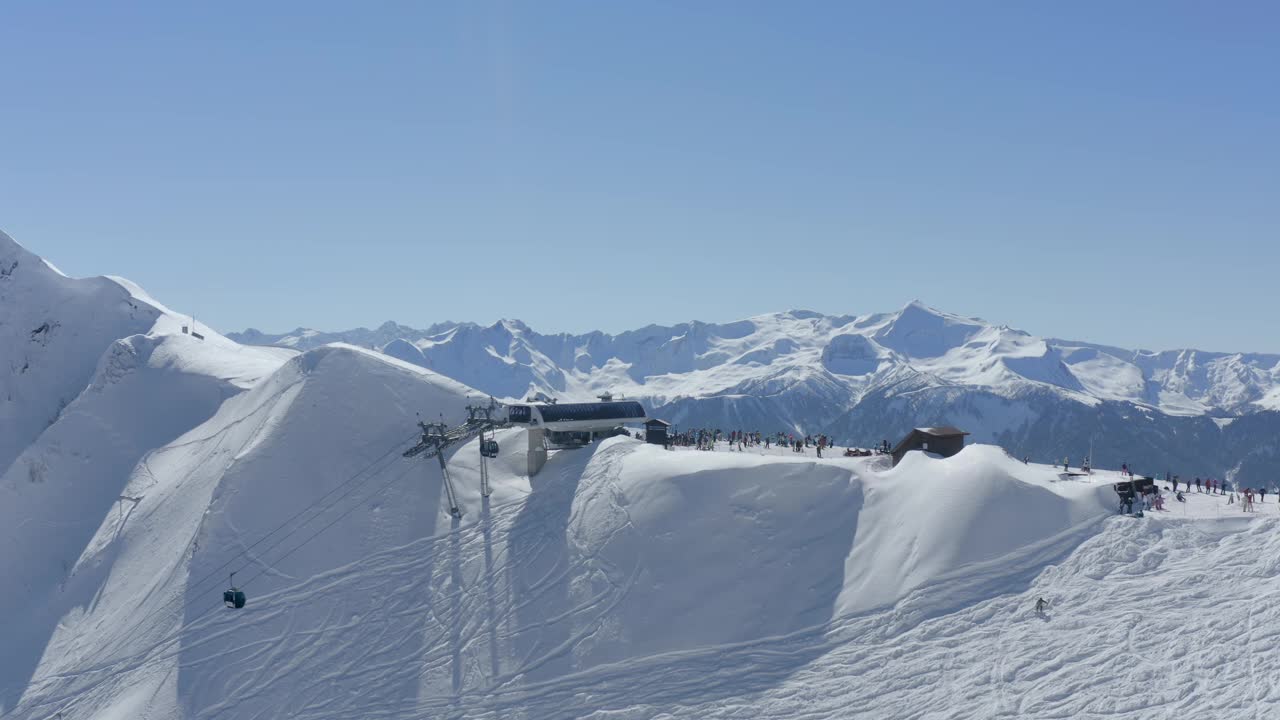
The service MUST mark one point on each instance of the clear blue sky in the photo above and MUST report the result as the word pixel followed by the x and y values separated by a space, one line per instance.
pixel 1101 170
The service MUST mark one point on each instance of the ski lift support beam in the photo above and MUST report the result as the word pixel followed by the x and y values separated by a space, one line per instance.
pixel 438 437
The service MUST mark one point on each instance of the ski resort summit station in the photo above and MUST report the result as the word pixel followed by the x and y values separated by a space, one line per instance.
pixel 571 424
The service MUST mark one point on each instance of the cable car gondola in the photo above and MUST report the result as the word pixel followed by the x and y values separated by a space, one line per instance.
pixel 233 598
pixel 489 448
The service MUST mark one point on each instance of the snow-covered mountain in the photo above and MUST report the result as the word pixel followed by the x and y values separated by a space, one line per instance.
pixel 63 340
pixel 866 378
pixel 764 354
pixel 622 582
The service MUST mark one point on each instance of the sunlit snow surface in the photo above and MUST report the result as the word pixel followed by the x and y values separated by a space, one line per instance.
pixel 623 581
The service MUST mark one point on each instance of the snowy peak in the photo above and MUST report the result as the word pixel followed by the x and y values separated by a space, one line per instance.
pixel 12 255
pixel 840 359
pixel 1183 382
pixel 402 349
pixel 55 330
pixel 918 331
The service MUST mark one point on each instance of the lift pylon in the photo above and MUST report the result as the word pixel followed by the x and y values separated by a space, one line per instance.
pixel 438 437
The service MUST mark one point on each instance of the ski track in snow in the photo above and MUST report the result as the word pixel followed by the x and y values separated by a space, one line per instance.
pixel 1161 617
pixel 623 582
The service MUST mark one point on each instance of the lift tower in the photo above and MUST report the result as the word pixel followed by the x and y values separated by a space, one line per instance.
pixel 438 437
pixel 435 439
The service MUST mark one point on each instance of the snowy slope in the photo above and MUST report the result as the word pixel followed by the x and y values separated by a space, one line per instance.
pixel 55 330
pixel 295 435
pixel 625 581
pixel 125 380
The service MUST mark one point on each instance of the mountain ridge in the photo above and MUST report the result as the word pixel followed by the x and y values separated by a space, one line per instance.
pixel 952 348
pixel 860 379
pixel 865 379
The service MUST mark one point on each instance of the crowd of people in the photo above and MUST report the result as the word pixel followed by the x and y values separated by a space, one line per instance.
pixel 744 440
pixel 1152 498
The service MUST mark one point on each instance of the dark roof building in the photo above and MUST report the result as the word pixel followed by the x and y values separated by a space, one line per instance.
pixel 625 411
pixel 945 441
pixel 593 417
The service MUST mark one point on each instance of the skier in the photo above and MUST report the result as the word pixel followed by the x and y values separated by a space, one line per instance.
pixel 1262 494
pixel 1041 605
pixel 1180 497
pixel 1197 484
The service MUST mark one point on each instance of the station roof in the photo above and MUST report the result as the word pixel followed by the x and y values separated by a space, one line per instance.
pixel 944 431
pixel 565 412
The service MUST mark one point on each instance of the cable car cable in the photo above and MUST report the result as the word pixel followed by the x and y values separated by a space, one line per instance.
pixel 315 534
pixel 188 590
pixel 187 626
pixel 390 452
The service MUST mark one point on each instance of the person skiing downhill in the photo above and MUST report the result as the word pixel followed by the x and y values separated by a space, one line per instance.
pixel 1041 604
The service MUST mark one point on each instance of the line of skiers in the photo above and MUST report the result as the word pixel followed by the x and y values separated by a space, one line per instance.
pixel 1208 485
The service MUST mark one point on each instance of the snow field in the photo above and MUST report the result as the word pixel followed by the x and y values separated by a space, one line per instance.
pixel 141 466
pixel 614 560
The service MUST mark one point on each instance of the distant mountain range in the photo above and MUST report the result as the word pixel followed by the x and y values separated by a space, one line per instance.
pixel 866 378
pixel 860 379
pixel 147 466
pixel 136 455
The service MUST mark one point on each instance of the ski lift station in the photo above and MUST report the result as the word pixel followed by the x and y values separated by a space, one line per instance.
pixel 571 424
